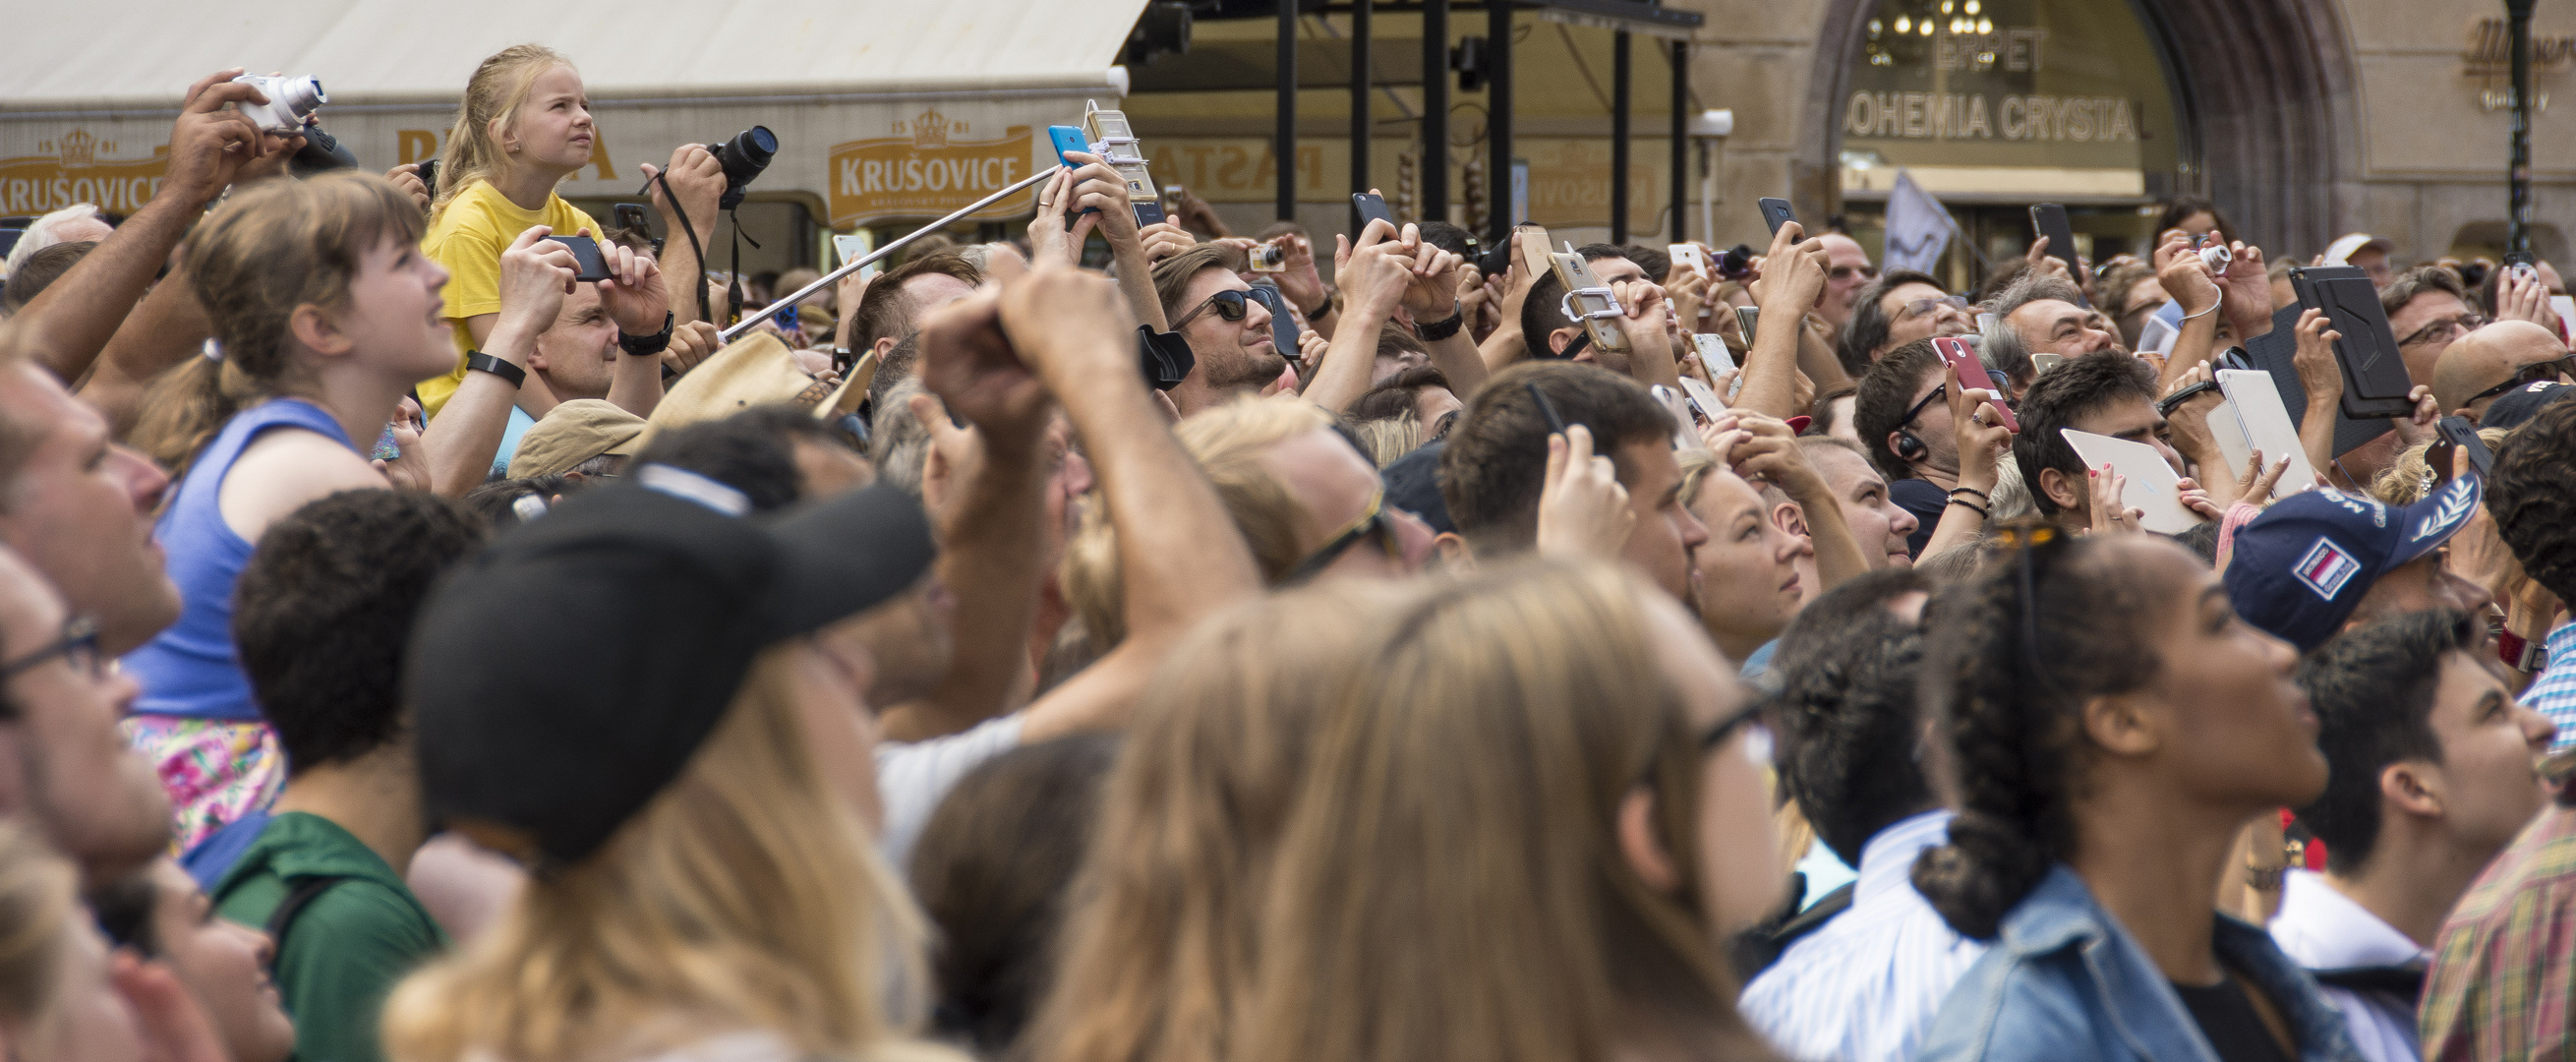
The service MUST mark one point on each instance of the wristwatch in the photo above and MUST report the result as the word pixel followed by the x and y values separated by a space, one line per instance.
pixel 647 346
pixel 1436 331
pixel 477 361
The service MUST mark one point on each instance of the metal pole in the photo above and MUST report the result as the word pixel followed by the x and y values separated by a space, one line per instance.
pixel 763 314
pixel 1283 148
pixel 2517 236
pixel 1435 110
pixel 1360 124
pixel 1619 137
pixel 1681 134
pixel 1498 117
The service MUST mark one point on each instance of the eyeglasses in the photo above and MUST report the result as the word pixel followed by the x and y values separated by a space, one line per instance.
pixel 1919 307
pixel 1230 305
pixel 1373 521
pixel 77 648
pixel 2444 329
pixel 1757 740
pixel 2530 374
pixel 1938 393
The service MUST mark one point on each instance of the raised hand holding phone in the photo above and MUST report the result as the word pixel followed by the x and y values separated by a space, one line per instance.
pixel 1969 374
pixel 1582 509
pixel 536 273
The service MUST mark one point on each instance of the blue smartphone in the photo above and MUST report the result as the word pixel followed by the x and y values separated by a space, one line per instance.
pixel 1070 138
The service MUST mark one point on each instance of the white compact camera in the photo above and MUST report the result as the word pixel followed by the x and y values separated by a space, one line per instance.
pixel 290 101
pixel 1269 258
pixel 2216 256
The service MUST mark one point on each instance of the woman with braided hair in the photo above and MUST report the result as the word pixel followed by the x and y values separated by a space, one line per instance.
pixel 2108 724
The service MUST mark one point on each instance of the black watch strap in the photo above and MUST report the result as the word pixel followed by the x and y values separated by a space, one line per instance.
pixel 1438 330
pixel 647 346
pixel 477 360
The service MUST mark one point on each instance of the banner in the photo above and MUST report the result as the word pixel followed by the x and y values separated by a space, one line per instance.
pixel 67 169
pixel 1918 227
pixel 928 167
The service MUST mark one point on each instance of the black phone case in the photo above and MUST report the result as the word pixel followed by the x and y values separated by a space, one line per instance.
pixel 585 251
pixel 2375 382
pixel 1775 213
pixel 2049 219
pixel 1372 208
pixel 2464 435
pixel 2273 352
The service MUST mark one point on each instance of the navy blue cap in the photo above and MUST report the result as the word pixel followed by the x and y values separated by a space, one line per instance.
pixel 2299 569
pixel 1413 485
pixel 2513 407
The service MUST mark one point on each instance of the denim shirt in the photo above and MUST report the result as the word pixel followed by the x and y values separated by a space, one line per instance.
pixel 2064 982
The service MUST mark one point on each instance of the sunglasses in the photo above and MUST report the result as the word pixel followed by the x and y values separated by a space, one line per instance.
pixel 2530 374
pixel 1373 521
pixel 1230 305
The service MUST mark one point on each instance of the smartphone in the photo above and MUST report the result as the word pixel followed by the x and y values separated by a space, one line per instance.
pixel 853 246
pixel 1685 430
pixel 1971 374
pixel 2375 381
pixel 1172 197
pixel 2049 219
pixel 1712 351
pixel 1588 300
pixel 2461 434
pixel 1688 254
pixel 428 174
pixel 1775 213
pixel 1536 256
pixel 2042 362
pixel 1710 406
pixel 1372 207
pixel 1745 318
pixel 1119 147
pixel 585 252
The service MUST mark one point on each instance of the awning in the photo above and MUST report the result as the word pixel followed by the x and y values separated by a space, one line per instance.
pixel 883 108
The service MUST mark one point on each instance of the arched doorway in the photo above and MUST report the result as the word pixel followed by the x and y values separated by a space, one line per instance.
pixel 2262 104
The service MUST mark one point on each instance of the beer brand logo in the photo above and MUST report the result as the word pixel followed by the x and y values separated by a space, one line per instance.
pixel 68 169
pixel 926 168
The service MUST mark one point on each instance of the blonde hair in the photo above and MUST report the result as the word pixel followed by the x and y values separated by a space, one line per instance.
pixel 495 93
pixel 745 896
pixel 1388 438
pixel 273 247
pixel 1451 886
pixel 1160 946
pixel 37 906
pixel 1227 443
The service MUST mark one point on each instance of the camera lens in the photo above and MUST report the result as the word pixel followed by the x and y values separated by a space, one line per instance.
pixel 743 157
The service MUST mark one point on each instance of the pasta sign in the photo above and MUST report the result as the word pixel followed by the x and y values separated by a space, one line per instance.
pixel 926 169
pixel 71 172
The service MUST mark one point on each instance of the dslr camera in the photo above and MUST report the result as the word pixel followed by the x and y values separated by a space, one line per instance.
pixel 743 157
pixel 290 101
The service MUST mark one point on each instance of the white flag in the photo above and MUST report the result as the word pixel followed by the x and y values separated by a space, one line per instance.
pixel 1918 227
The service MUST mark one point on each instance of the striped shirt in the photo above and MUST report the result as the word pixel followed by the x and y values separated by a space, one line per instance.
pixel 2504 970
pixel 1865 987
pixel 2553 691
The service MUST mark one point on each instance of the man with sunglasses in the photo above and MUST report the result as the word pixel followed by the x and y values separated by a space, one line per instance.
pixel 2497 358
pixel 1903 417
pixel 1227 329
pixel 63 763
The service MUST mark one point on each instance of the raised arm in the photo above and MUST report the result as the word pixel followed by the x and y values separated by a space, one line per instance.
pixel 1375 275
pixel 1982 443
pixel 1792 277
pixel 1180 557
pixel 2323 379
pixel 699 180
pixel 72 320
pixel 1767 450
pixel 1098 187
pixel 2187 279
pixel 466 435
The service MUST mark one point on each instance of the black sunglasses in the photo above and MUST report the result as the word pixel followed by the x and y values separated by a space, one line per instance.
pixel 1375 521
pixel 1230 305
pixel 2530 374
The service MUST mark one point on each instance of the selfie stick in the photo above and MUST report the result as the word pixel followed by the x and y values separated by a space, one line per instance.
pixel 785 301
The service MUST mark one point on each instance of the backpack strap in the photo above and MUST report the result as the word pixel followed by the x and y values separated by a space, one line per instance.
pixel 301 892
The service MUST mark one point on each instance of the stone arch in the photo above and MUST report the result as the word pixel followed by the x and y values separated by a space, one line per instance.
pixel 2265 90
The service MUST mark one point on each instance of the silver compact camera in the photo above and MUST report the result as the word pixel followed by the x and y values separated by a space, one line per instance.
pixel 1269 258
pixel 2216 255
pixel 290 101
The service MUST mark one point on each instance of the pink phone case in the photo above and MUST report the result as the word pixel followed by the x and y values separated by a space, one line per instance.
pixel 1970 374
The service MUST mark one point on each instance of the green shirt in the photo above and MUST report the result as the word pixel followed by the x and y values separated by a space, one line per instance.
pixel 347 947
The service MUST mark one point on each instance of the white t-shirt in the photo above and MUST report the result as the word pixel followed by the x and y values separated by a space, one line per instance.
pixel 914 776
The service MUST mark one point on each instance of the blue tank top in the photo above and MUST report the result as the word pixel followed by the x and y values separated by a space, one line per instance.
pixel 190 670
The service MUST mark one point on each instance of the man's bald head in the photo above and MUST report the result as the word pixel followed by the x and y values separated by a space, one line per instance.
pixel 2489 356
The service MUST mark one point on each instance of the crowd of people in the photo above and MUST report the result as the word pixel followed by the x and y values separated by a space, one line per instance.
pixel 415 652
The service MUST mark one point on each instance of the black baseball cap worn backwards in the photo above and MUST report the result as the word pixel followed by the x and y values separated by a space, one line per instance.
pixel 563 676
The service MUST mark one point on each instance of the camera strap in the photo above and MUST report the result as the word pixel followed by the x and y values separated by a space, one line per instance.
pixel 706 312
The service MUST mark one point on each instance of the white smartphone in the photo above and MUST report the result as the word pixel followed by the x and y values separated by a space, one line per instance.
pixel 2265 421
pixel 1710 406
pixel 2153 488
pixel 1688 254
pixel 1685 430
pixel 854 246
